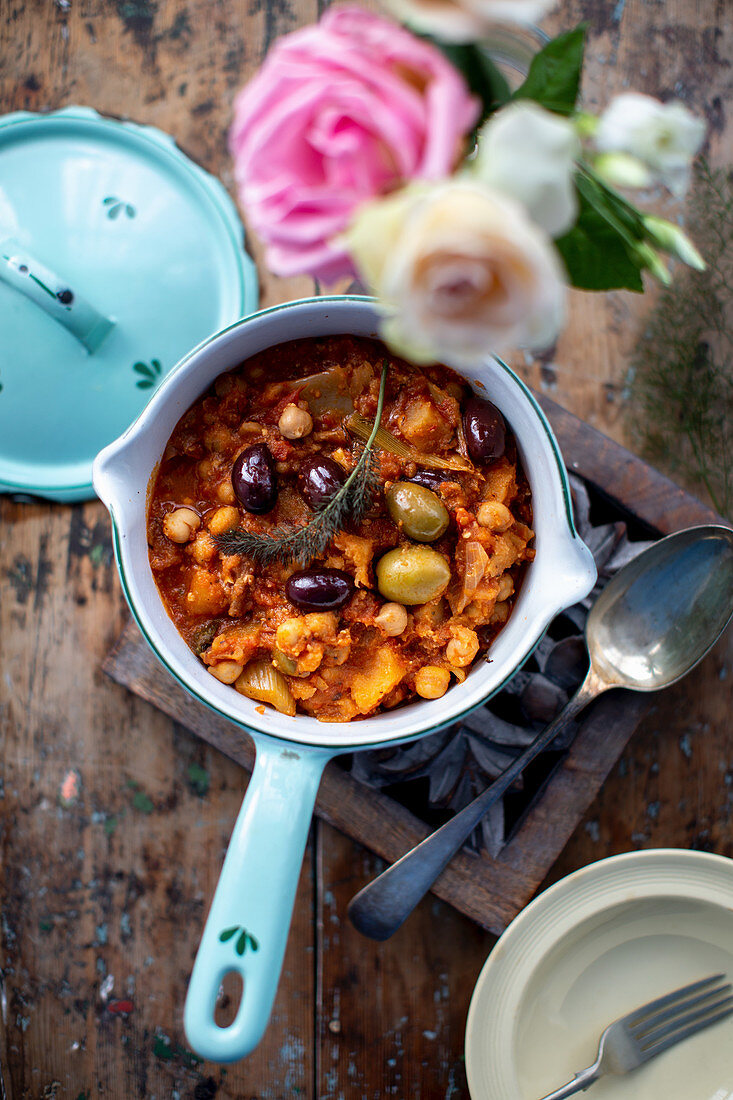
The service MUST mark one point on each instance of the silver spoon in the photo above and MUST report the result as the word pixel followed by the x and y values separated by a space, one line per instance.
pixel 655 619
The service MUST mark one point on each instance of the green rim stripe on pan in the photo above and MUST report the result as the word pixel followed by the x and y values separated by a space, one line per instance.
pixel 240 722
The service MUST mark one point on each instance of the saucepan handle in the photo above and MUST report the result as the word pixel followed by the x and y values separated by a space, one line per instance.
pixel 247 927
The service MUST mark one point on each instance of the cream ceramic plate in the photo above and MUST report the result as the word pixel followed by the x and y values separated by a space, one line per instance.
pixel 591 948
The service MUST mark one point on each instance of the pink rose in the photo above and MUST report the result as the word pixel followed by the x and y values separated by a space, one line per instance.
pixel 340 113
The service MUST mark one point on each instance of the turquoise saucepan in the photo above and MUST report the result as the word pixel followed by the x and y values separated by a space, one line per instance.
pixel 247 926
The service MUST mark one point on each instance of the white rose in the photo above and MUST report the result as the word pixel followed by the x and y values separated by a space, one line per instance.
pixel 466 20
pixel 664 136
pixel 460 270
pixel 529 154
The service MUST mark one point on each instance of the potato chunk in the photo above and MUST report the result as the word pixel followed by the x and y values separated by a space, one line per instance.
pixel 205 594
pixel 423 426
pixel 380 675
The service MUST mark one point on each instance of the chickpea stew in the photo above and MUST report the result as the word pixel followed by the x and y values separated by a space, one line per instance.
pixel 425 550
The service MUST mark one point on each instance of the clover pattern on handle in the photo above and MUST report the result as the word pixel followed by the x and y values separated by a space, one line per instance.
pixel 115 207
pixel 150 373
pixel 244 940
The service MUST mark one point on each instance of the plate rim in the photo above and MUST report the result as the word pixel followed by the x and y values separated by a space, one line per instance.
pixel 648 874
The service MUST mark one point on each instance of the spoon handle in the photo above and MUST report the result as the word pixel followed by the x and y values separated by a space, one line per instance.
pixel 384 904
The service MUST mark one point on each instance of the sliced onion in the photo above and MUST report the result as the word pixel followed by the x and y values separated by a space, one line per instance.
pixel 259 680
pixel 475 560
pixel 327 392
pixel 362 428
pixel 284 663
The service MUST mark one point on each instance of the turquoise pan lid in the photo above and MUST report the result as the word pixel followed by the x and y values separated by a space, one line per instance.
pixel 118 255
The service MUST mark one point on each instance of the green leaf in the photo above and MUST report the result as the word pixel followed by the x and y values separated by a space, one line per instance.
pixel 155 364
pixel 598 251
pixel 228 933
pixel 241 945
pixel 109 199
pixel 553 79
pixel 483 77
pixel 619 212
pixel 254 944
pixel 143 368
pixel 141 385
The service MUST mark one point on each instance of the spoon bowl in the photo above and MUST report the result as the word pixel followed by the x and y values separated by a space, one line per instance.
pixel 662 613
pixel 653 622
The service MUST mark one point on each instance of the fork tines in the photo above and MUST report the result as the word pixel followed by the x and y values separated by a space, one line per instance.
pixel 666 1021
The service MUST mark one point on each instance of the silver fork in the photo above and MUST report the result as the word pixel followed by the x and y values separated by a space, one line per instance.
pixel 647 1031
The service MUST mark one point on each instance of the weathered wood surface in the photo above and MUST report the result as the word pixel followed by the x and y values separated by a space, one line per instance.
pixel 103 899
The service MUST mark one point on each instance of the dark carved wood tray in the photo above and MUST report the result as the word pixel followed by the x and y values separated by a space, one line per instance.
pixel 490 891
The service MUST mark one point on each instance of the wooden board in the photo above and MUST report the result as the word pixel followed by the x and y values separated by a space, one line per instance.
pixel 489 891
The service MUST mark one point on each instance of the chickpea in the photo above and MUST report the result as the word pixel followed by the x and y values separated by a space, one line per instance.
pixel 223 520
pixel 205 468
pixel 321 624
pixel 463 646
pixel 203 548
pixel 432 681
pixel 500 614
pixel 392 619
pixel 506 587
pixel 218 438
pixel 494 515
pixel 291 635
pixel 294 422
pixel 225 492
pixel 226 671
pixel 181 525
pixel 429 615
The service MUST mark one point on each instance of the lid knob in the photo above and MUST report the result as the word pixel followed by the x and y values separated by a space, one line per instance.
pixel 63 302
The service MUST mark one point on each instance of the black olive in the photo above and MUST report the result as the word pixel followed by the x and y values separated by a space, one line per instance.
pixel 484 429
pixel 431 479
pixel 319 589
pixel 320 478
pixel 254 479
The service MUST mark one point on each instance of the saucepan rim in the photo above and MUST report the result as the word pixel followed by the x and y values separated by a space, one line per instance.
pixel 570 578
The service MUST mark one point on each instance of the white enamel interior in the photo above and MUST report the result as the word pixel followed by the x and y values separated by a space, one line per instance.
pixel 562 573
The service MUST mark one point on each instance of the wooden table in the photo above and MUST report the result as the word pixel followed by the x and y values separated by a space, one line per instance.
pixel 103 898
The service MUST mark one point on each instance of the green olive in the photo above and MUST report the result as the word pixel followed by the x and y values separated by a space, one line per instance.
pixel 412 575
pixel 422 514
